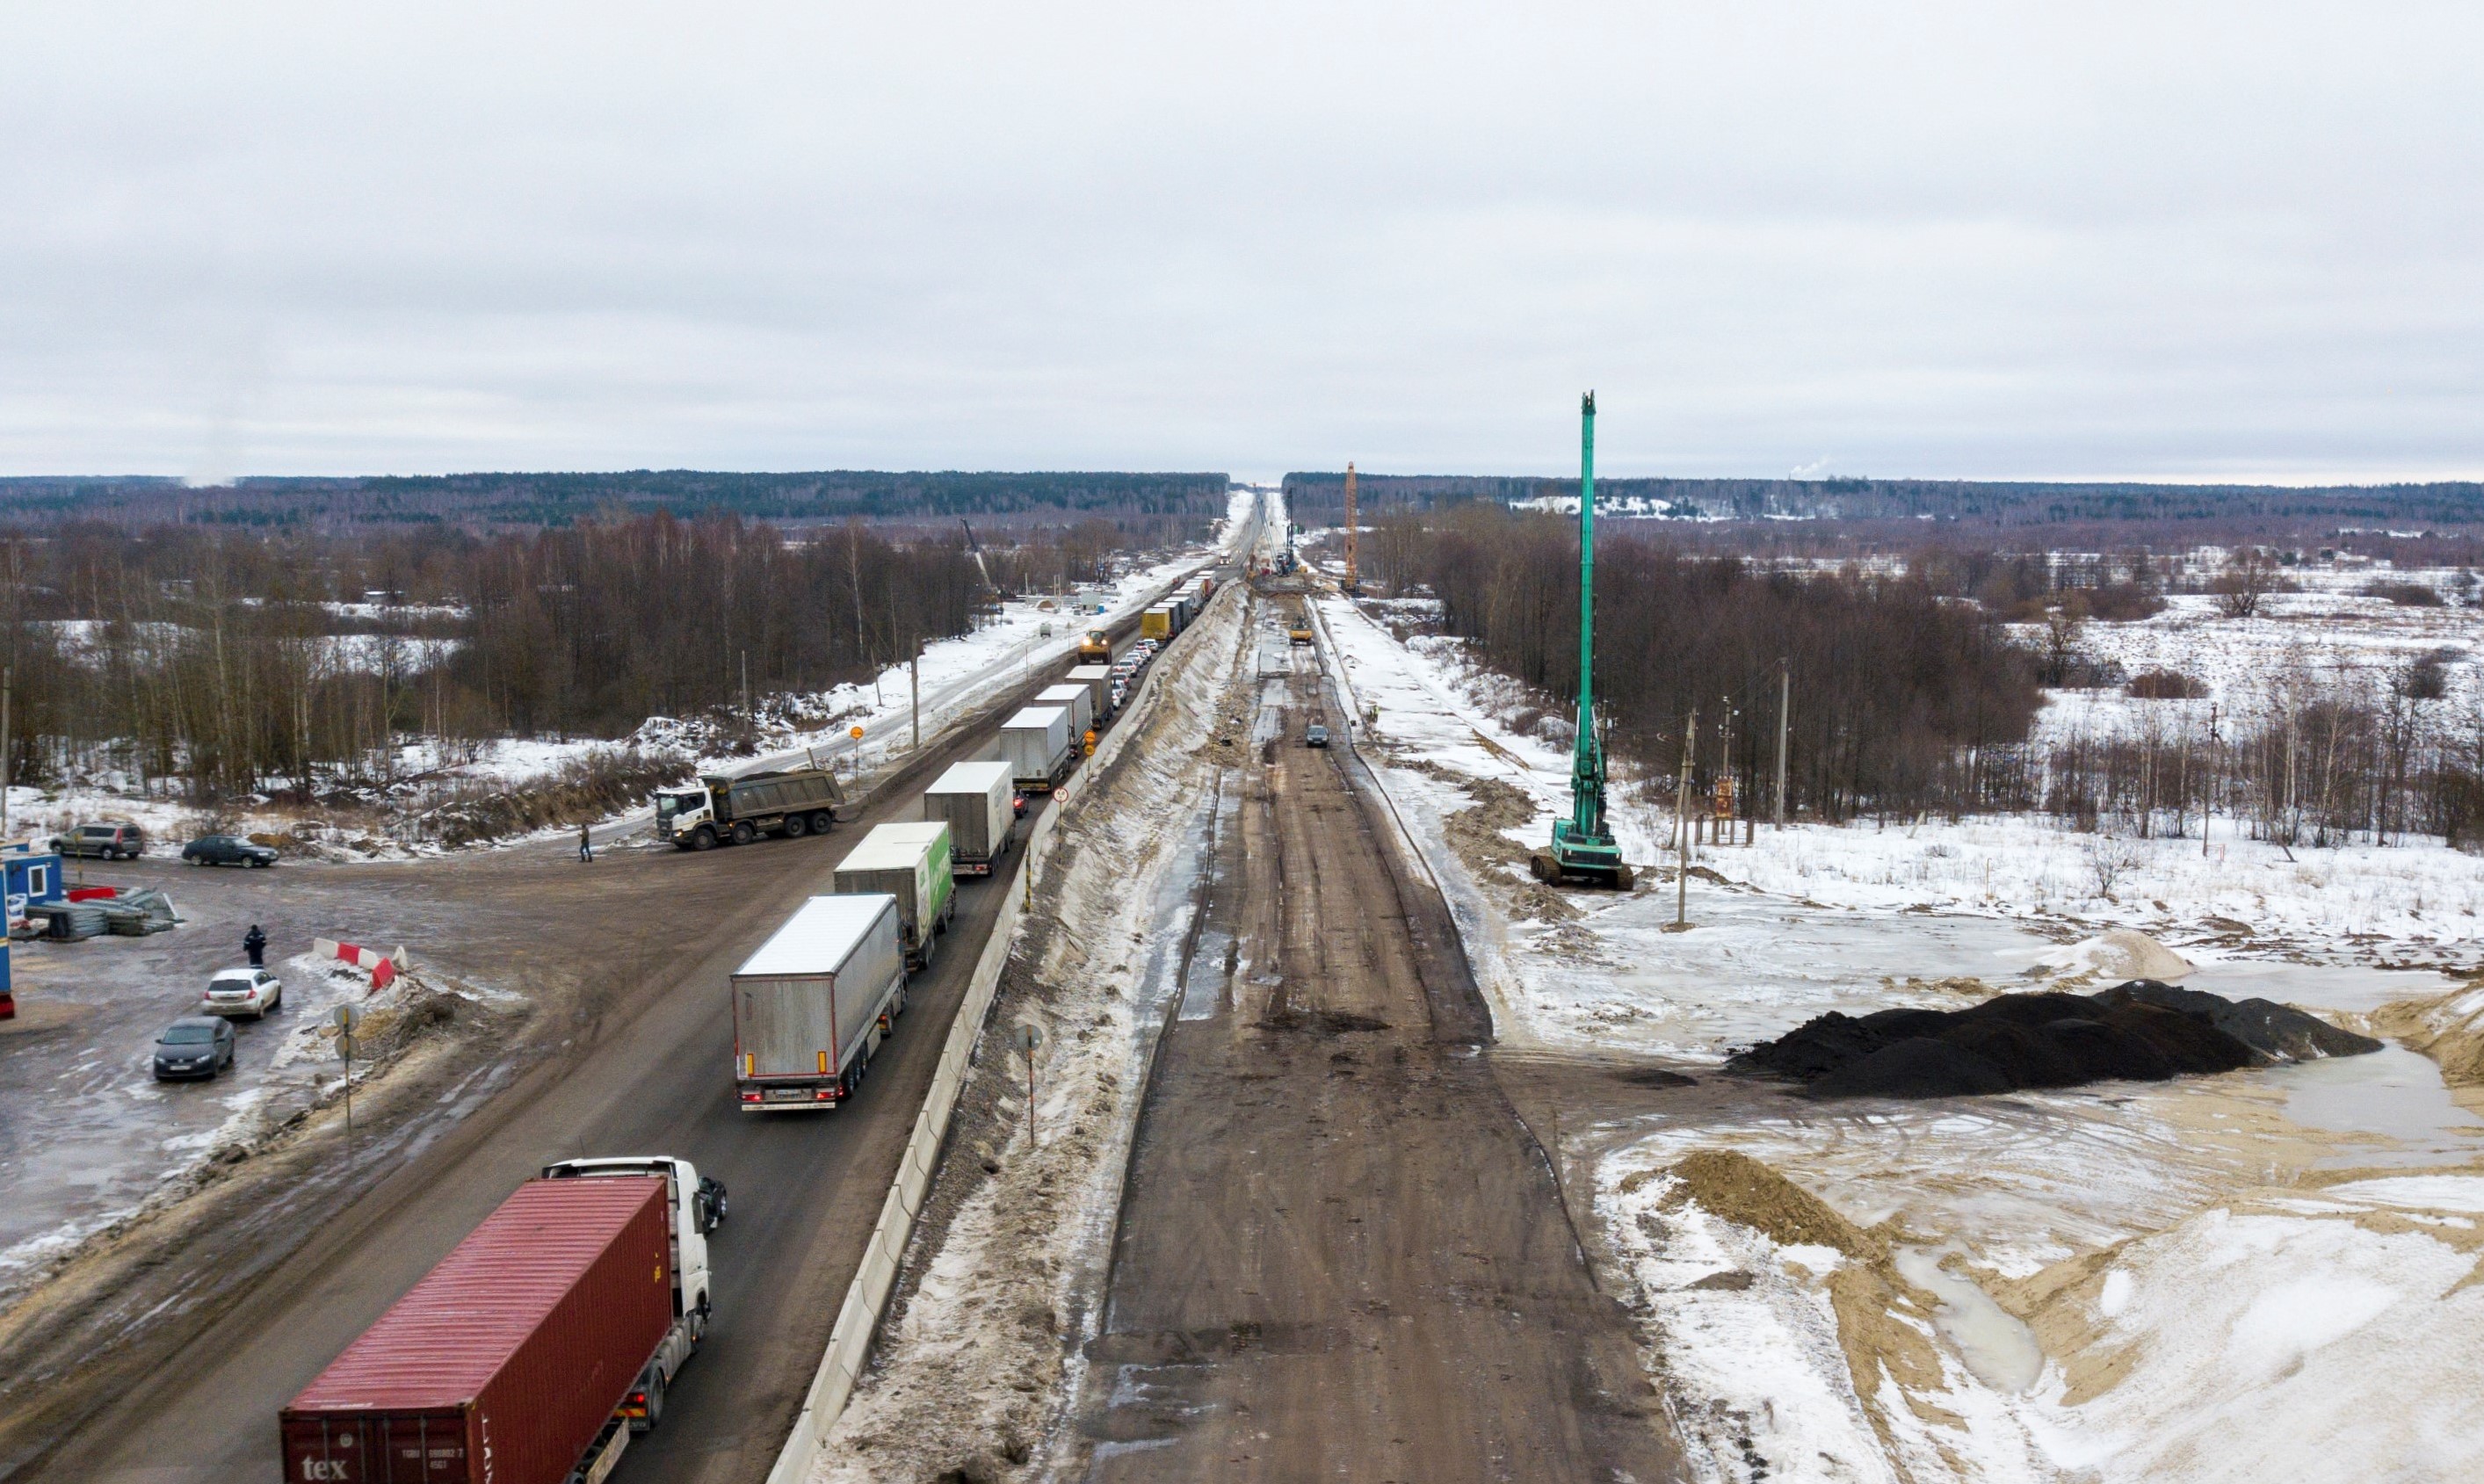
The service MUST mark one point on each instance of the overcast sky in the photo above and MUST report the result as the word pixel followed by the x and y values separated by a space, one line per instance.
pixel 2228 239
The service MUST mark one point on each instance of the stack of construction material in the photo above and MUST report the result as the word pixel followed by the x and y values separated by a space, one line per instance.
pixel 138 913
pixel 72 921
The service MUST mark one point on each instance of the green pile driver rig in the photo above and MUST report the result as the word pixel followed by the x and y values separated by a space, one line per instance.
pixel 1583 849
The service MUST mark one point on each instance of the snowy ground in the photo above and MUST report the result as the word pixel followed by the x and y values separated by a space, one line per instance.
pixel 2261 1276
pixel 2328 634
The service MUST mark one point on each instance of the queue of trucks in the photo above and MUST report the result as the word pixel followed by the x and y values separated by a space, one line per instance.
pixel 548 1337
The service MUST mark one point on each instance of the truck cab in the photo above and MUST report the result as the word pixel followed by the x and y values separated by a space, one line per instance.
pixel 680 812
pixel 695 1207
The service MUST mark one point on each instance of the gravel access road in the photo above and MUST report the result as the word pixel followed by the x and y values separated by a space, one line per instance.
pixel 1340 1253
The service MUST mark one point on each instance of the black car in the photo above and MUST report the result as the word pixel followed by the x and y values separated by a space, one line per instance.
pixel 193 1047
pixel 1315 735
pixel 226 850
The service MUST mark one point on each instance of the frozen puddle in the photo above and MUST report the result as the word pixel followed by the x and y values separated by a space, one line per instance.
pixel 1994 1345
pixel 2394 1092
pixel 1751 968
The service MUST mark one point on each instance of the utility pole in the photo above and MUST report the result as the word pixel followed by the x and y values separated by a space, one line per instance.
pixel 1682 828
pixel 2206 794
pixel 914 685
pixel 1353 577
pixel 7 751
pixel 1725 772
pixel 747 719
pixel 1785 709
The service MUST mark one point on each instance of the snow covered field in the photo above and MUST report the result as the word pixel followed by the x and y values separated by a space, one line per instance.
pixel 2331 633
pixel 2267 1275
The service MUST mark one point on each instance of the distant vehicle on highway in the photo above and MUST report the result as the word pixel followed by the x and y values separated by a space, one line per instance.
pixel 107 839
pixel 193 1047
pixel 243 991
pixel 226 850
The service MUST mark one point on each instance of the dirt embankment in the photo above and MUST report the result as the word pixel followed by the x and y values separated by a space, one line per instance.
pixel 2450 1029
pixel 1884 1323
pixel 1479 835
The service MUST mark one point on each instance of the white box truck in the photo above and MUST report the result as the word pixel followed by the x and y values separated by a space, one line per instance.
pixel 1037 743
pixel 978 803
pixel 1099 681
pixel 1080 700
pixel 909 860
pixel 811 1006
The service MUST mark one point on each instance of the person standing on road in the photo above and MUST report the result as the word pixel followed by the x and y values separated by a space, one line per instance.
pixel 254 943
pixel 586 842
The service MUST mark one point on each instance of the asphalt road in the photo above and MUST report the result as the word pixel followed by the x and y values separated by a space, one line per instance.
pixel 1340 1253
pixel 646 1071
pixel 805 1191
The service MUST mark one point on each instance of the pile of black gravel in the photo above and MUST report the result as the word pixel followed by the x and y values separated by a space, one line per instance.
pixel 2144 1031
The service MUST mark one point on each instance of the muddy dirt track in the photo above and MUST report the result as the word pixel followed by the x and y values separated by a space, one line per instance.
pixel 216 1325
pixel 1340 1255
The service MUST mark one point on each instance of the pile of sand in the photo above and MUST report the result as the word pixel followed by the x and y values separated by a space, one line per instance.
pixel 1749 1193
pixel 2112 957
pixel 2142 1030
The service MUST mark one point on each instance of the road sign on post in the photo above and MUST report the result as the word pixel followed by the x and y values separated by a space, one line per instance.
pixel 347 1019
pixel 1027 1037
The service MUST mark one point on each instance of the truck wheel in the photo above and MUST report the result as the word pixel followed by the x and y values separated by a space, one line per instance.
pixel 742 833
pixel 797 827
pixel 703 839
pixel 821 822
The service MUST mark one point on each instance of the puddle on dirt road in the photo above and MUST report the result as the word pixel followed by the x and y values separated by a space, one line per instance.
pixel 1208 973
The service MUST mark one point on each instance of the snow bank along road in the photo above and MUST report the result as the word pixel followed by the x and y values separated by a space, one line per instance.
pixel 1340 1253
pixel 191 1393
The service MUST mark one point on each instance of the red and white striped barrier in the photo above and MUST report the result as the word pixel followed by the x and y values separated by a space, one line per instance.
pixel 384 968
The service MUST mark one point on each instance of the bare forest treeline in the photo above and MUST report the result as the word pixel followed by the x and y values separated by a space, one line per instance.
pixel 2304 757
pixel 238 662
pixel 1915 692
pixel 1902 702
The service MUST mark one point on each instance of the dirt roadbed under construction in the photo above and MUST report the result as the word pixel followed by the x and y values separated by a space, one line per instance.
pixel 1340 1253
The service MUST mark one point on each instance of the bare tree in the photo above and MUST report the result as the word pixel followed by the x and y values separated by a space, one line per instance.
pixel 2109 860
pixel 2249 573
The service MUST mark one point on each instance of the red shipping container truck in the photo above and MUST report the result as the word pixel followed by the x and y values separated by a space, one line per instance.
pixel 506 1362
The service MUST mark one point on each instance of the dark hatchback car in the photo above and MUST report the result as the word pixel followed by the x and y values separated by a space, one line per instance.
pixel 226 850
pixel 193 1047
